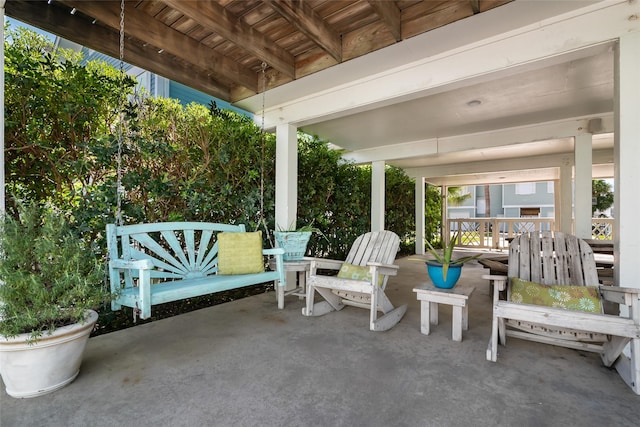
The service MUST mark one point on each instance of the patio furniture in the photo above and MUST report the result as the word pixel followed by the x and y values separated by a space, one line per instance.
pixel 553 296
pixel 301 267
pixel 361 280
pixel 457 297
pixel 165 262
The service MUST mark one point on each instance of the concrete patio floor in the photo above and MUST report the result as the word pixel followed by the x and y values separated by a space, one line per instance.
pixel 246 363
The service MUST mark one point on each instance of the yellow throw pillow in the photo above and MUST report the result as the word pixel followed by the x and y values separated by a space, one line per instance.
pixel 240 253
pixel 582 298
pixel 357 272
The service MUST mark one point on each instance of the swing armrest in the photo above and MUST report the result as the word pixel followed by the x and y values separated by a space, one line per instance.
pixel 140 264
pixel 273 251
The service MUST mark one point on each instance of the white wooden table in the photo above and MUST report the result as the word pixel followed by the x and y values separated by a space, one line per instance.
pixel 302 268
pixel 430 296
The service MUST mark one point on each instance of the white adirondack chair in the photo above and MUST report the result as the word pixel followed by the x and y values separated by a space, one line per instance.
pixel 555 258
pixel 375 250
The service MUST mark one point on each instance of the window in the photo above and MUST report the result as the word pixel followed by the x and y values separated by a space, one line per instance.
pixel 529 212
pixel 526 188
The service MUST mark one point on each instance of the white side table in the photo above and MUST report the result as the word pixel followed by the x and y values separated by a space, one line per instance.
pixel 302 267
pixel 430 296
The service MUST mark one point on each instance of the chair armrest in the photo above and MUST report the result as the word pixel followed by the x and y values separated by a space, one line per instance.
pixel 617 294
pixel 140 264
pixel 500 282
pixel 326 264
pixel 386 269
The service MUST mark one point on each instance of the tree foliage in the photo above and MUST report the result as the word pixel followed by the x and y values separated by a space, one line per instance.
pixel 602 194
pixel 55 110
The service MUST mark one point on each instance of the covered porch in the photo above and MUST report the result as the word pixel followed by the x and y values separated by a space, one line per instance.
pixel 247 363
pixel 525 92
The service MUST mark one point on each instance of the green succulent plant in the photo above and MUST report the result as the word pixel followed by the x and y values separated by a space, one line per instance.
pixel 444 256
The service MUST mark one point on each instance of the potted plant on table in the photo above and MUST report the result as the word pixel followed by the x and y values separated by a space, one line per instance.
pixel 51 282
pixel 294 241
pixel 445 271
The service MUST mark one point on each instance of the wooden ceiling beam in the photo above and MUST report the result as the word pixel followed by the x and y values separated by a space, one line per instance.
pixel 143 27
pixel 56 19
pixel 304 19
pixel 389 12
pixel 475 6
pixel 217 19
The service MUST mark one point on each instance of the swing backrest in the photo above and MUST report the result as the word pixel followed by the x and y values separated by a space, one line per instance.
pixel 177 250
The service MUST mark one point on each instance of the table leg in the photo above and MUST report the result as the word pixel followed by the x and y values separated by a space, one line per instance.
pixel 456 329
pixel 302 282
pixel 424 317
pixel 465 317
pixel 434 312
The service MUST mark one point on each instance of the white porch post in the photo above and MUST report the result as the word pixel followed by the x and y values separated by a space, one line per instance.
pixel 626 152
pixel 287 184
pixel 564 199
pixel 583 152
pixel 626 155
pixel 286 176
pixel 2 189
pixel 445 232
pixel 377 196
pixel 420 212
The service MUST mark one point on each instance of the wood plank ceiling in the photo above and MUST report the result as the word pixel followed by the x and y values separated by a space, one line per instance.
pixel 219 46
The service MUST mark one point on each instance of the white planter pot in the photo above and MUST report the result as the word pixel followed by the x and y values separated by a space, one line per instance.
pixel 30 370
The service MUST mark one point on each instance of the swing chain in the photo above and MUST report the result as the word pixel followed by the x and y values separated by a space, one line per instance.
pixel 262 145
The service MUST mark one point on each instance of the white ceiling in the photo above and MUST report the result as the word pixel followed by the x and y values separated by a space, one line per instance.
pixel 575 88
pixel 431 130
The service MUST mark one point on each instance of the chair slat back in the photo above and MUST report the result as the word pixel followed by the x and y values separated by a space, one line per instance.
pixel 376 246
pixel 552 258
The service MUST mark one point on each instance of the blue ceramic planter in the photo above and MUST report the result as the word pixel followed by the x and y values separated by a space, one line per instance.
pixel 435 273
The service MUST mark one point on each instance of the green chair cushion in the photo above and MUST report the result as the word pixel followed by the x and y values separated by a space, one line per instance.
pixel 240 253
pixel 581 298
pixel 357 272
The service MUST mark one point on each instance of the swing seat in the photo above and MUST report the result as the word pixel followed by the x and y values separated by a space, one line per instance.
pixel 165 262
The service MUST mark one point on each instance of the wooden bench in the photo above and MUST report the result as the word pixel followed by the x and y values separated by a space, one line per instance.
pixel 496 267
pixel 170 261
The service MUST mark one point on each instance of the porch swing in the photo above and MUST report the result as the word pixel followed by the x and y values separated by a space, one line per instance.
pixel 156 263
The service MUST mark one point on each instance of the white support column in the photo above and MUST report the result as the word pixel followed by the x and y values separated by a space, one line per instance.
pixel 583 176
pixel 445 232
pixel 627 179
pixel 626 155
pixel 377 196
pixel 287 184
pixel 420 213
pixel 564 199
pixel 2 189
pixel 286 176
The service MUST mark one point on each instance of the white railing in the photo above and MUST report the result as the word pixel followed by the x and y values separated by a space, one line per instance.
pixel 495 233
pixel 602 228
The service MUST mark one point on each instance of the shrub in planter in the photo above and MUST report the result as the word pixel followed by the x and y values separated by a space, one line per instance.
pixel 50 279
